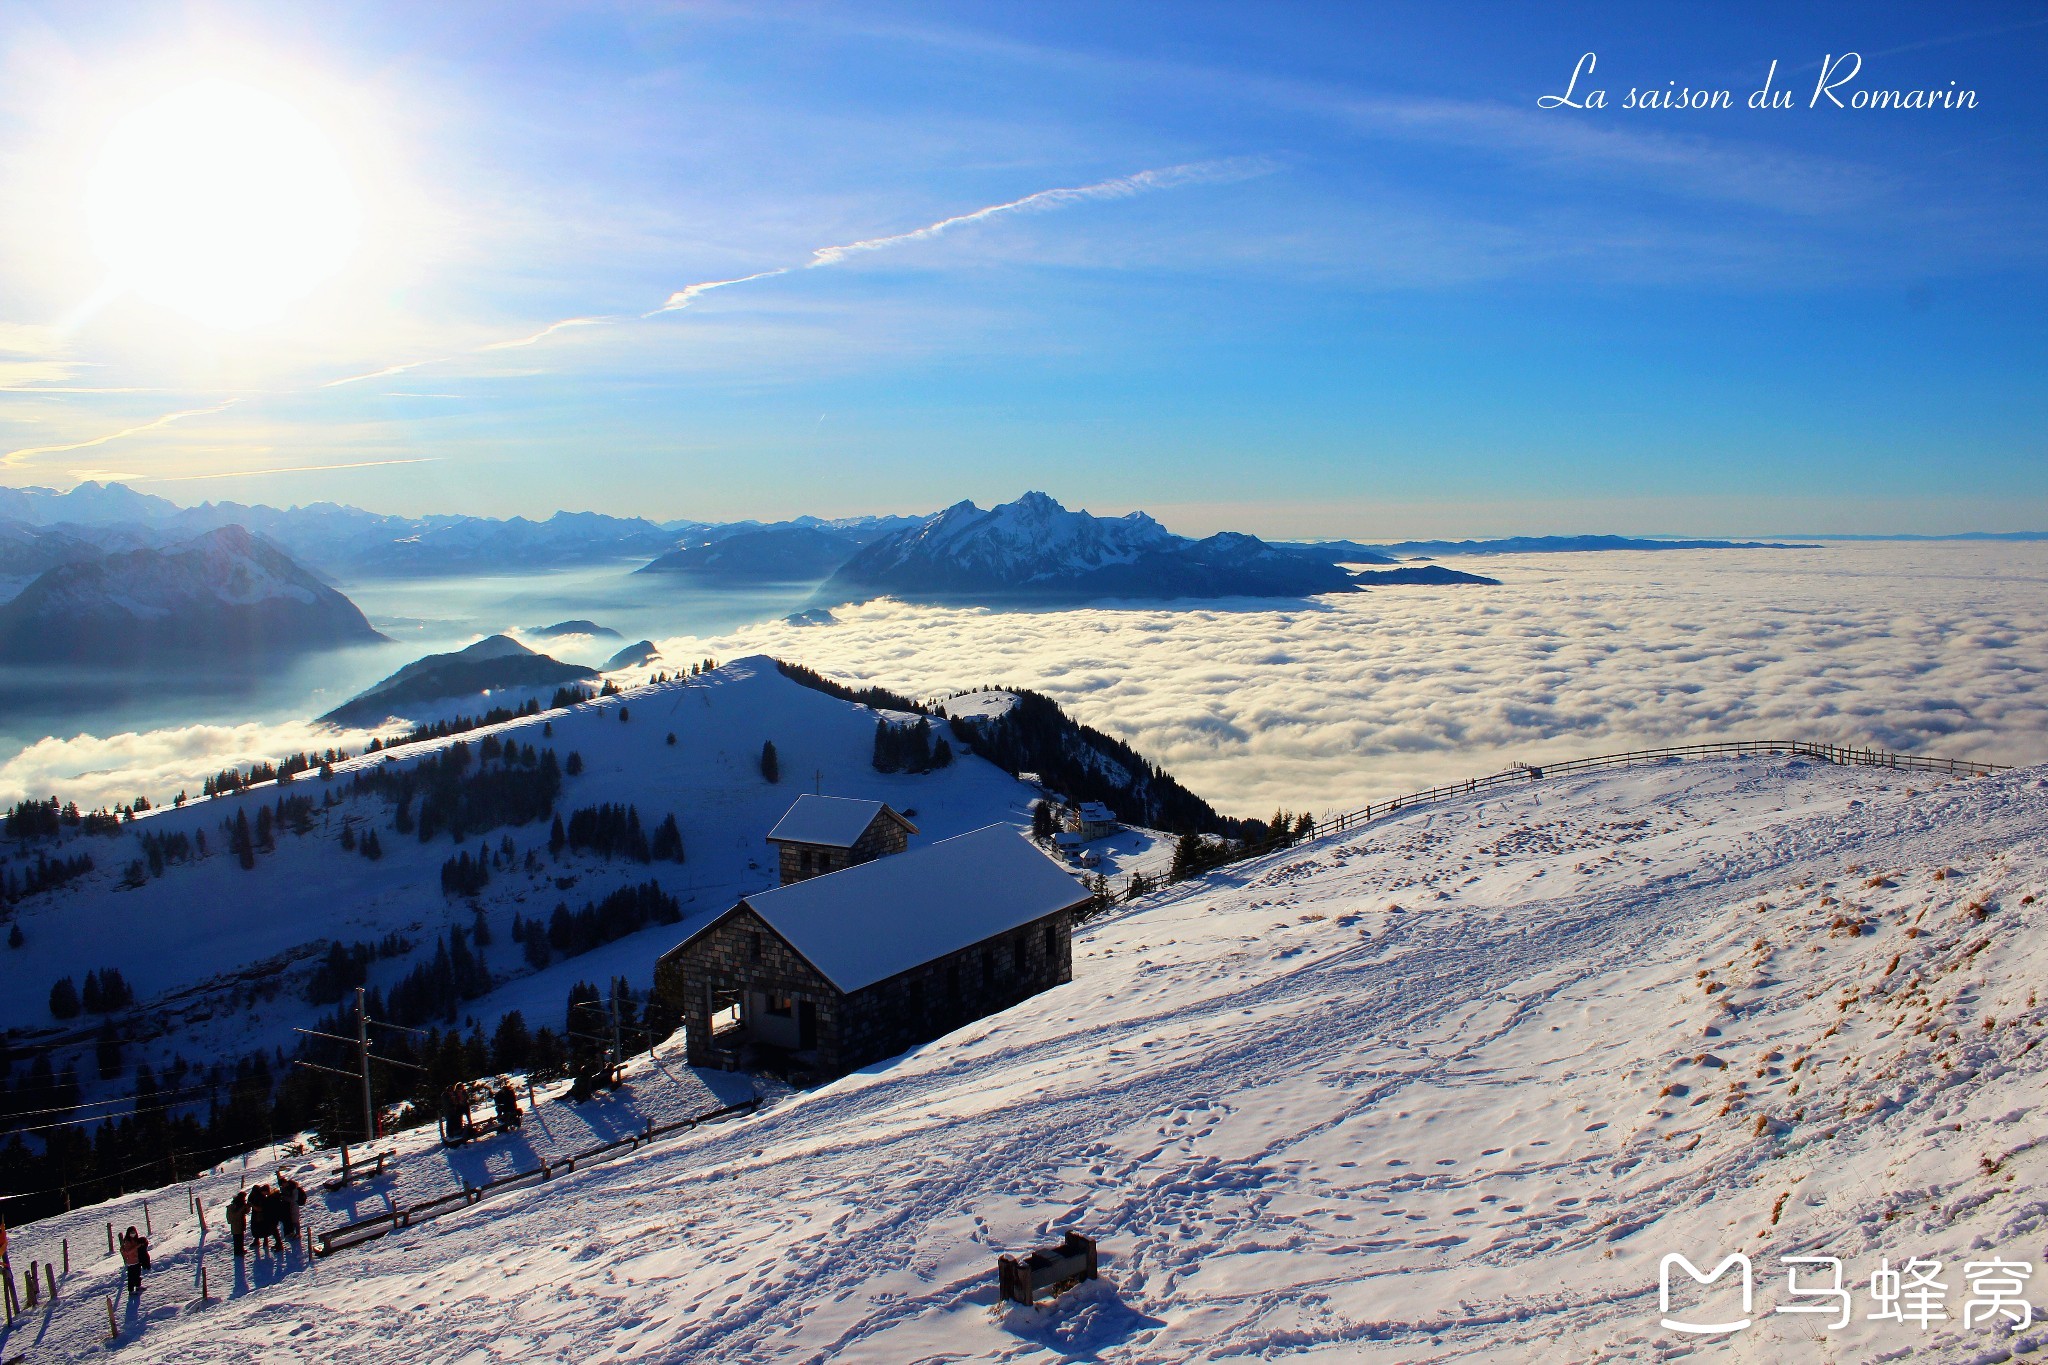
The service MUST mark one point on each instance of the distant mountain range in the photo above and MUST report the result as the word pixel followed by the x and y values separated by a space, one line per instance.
pixel 479 673
pixel 786 552
pixel 1035 550
pixel 223 597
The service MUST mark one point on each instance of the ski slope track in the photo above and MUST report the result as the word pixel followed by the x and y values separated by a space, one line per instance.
pixel 1443 1088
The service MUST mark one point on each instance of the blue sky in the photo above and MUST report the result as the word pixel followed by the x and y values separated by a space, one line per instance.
pixel 1360 285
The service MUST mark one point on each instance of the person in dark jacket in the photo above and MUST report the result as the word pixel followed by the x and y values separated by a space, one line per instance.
pixel 134 1255
pixel 238 1218
pixel 508 1106
pixel 262 1215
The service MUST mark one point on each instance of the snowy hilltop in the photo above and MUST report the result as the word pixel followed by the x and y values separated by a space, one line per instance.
pixel 1450 1086
pixel 222 596
pixel 475 677
pixel 1035 550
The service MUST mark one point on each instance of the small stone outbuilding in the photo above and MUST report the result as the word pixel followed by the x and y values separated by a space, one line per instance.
pixel 821 834
pixel 835 972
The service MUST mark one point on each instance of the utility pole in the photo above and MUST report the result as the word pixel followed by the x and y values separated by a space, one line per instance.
pixel 363 1046
pixel 618 1054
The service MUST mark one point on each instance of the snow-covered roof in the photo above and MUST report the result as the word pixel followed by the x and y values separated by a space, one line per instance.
pixel 870 922
pixel 1094 812
pixel 834 821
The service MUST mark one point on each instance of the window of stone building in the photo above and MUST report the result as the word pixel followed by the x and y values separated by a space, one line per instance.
pixel 1017 954
pixel 753 947
pixel 1052 944
pixel 782 1006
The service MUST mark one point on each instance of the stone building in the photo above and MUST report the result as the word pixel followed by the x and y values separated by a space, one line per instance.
pixel 834 972
pixel 821 834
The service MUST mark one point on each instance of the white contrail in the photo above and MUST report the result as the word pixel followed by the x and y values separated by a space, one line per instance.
pixel 683 297
pixel 283 469
pixel 1122 187
pixel 15 457
pixel 387 372
pixel 549 330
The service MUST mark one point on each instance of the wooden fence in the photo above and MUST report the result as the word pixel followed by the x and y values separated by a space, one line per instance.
pixel 1523 773
pixel 404 1216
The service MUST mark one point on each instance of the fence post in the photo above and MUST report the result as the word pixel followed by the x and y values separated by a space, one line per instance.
pixel 110 1239
pixel 67 1255
pixel 50 1278
pixel 112 1331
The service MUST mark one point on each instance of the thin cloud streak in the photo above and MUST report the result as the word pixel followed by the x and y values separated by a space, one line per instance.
pixel 14 458
pixel 1122 187
pixel 283 469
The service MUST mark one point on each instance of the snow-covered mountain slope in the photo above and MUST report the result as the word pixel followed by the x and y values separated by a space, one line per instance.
pixel 224 595
pixel 1034 549
pixel 1446 1088
pixel 220 957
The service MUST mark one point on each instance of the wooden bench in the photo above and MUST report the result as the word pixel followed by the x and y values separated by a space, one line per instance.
pixel 353 1172
pixel 1046 1271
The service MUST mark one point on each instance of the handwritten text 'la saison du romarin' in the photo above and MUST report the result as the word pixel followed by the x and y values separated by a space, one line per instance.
pixel 1836 86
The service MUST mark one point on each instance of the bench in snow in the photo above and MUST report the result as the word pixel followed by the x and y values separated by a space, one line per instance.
pixel 1048 1270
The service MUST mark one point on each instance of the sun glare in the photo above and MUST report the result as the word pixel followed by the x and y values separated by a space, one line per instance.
pixel 222 202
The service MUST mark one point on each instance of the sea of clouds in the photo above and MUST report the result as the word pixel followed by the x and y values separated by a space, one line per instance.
pixel 1937 648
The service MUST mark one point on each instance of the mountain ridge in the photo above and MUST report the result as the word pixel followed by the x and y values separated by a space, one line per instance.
pixel 1035 549
pixel 222 595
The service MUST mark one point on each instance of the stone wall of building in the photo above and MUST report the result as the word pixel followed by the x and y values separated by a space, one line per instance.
pixel 738 953
pixel 939 996
pixel 882 837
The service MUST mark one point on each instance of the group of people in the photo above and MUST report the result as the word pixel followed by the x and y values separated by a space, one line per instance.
pixel 456 1123
pixel 268 1214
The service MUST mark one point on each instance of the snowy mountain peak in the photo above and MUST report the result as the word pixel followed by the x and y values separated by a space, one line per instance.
pixel 1037 548
pixel 225 592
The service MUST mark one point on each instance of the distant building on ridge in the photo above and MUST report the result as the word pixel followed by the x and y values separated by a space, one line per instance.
pixel 821 834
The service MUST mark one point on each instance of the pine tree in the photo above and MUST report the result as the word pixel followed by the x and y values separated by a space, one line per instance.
pixel 888 754
pixel 512 1044
pixel 575 764
pixel 64 999
pixel 14 939
pixel 556 837
pixel 240 841
pixel 1189 857
pixel 1042 825
pixel 917 755
pixel 771 767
